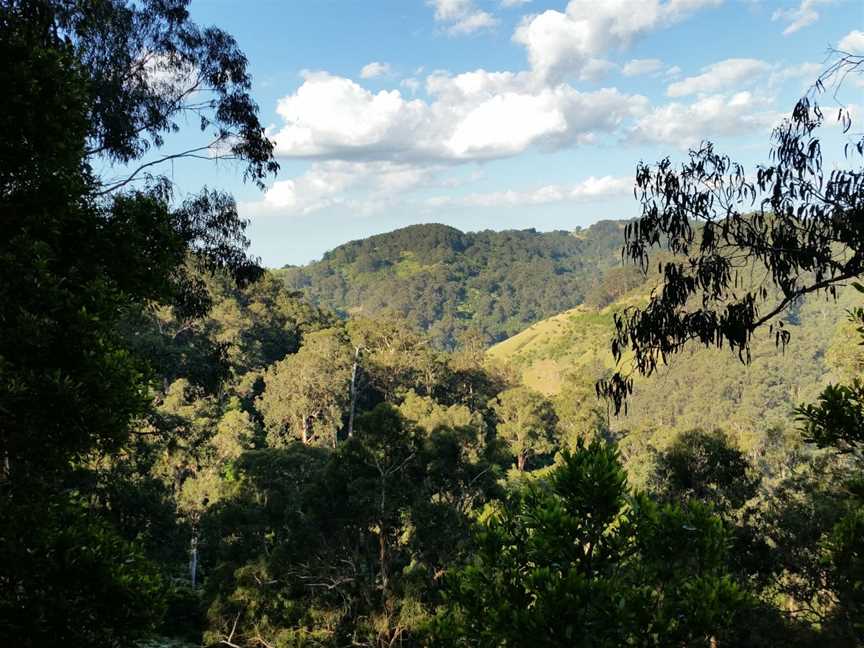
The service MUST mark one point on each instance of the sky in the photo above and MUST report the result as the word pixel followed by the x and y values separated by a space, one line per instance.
pixel 499 114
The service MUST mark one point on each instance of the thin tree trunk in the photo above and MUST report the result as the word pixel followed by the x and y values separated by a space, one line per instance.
pixel 382 557
pixel 353 392
pixel 382 538
pixel 520 462
pixel 193 559
pixel 307 429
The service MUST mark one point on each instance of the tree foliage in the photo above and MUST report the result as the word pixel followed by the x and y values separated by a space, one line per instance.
pixel 745 247
pixel 526 423
pixel 191 449
pixel 576 559
pixel 79 253
pixel 446 283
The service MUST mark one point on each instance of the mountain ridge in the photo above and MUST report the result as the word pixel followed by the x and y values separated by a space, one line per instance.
pixel 448 283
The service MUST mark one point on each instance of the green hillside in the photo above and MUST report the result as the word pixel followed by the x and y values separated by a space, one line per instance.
pixel 701 387
pixel 446 282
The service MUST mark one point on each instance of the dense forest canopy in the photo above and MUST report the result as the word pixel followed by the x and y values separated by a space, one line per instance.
pixel 195 451
pixel 449 283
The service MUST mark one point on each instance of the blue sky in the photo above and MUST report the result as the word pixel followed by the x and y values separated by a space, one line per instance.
pixel 502 113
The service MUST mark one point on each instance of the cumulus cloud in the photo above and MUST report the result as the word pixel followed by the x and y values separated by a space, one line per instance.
pixel 799 17
pixel 853 42
pixel 596 70
pixel 473 116
pixel 805 73
pixel 374 69
pixel 337 182
pixel 723 75
pixel 637 67
pixel 412 84
pixel 334 116
pixel 586 191
pixel 507 4
pixel 682 125
pixel 368 147
pixel 461 16
pixel 562 44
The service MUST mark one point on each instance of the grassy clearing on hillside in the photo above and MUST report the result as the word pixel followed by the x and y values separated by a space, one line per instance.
pixel 700 386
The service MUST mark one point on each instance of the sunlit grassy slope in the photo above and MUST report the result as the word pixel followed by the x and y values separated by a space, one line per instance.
pixel 701 387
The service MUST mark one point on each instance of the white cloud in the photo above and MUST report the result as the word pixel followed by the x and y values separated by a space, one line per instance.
pixel 369 148
pixel 451 9
pixel 412 84
pixel 561 44
pixel 853 42
pixel 636 67
pixel 472 22
pixel 596 69
pixel 374 69
pixel 588 190
pixel 461 16
pixel 336 182
pixel 719 76
pixel 513 3
pixel 684 126
pixel 166 73
pixel 805 73
pixel 473 116
pixel 799 17
pixel 335 117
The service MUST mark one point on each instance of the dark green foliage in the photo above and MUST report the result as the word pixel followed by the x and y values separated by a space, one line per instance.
pixel 78 257
pixel 576 560
pixel 706 467
pixel 836 421
pixel 845 555
pixel 74 580
pixel 446 282
pixel 794 225
pixel 330 547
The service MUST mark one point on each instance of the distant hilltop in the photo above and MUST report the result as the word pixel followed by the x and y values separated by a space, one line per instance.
pixel 449 283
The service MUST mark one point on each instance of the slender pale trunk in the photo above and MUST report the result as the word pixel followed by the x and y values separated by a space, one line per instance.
pixel 193 558
pixel 307 429
pixel 353 392
pixel 382 538
pixel 382 557
pixel 520 461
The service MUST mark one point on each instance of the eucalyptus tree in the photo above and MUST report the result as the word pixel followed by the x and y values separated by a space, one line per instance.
pixel 745 245
pixel 98 84
pixel 307 395
pixel 526 423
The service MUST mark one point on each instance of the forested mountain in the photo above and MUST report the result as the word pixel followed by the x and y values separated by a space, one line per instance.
pixel 446 282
